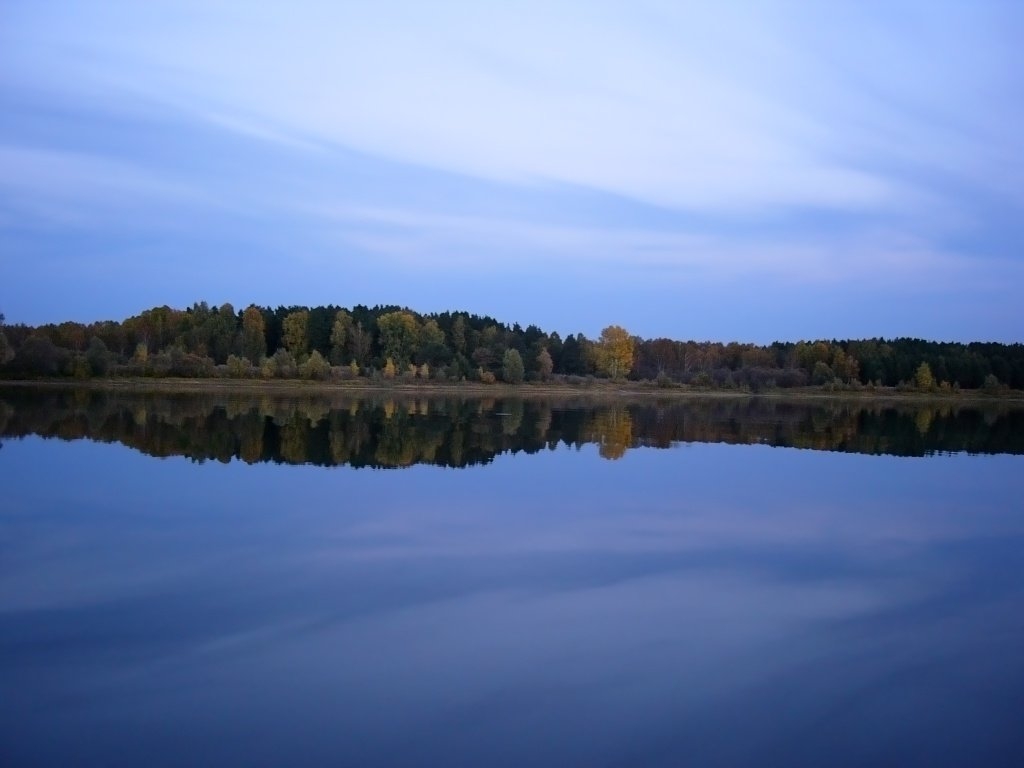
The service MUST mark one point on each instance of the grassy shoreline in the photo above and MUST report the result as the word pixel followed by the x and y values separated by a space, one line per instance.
pixel 598 389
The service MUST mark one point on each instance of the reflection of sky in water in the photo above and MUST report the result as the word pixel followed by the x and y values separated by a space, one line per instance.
pixel 710 604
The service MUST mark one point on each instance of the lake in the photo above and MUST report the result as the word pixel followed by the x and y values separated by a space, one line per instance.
pixel 203 580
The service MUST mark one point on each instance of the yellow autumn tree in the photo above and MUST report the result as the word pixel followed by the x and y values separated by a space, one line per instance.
pixel 923 377
pixel 614 352
pixel 254 340
pixel 295 330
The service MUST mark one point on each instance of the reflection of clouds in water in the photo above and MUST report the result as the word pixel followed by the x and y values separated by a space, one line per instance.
pixel 641 608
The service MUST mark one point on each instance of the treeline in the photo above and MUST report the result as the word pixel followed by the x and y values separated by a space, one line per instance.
pixel 386 431
pixel 391 342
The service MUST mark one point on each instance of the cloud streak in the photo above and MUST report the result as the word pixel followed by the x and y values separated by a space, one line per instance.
pixel 687 107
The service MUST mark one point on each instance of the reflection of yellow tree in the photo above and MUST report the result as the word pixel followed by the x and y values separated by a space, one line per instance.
pixel 347 439
pixel 314 411
pixel 429 448
pixel 456 443
pixel 923 419
pixel 613 430
pixel 266 406
pixel 139 415
pixel 397 445
pixel 991 415
pixel 283 413
pixel 81 398
pixel 250 437
pixel 293 441
pixel 236 407
pixel 339 446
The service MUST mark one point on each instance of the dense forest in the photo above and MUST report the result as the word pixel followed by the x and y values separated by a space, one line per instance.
pixel 389 342
pixel 402 430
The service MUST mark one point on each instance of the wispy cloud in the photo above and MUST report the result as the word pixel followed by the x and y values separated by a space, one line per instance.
pixel 416 237
pixel 688 105
pixel 81 189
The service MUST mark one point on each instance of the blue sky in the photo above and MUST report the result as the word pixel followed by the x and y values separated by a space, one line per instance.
pixel 748 170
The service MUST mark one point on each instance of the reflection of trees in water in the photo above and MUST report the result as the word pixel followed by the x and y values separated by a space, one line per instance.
pixel 923 420
pixel 542 421
pixel 612 430
pixel 5 414
pixel 392 431
pixel 512 417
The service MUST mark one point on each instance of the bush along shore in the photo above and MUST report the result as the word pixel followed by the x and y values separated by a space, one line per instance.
pixel 389 346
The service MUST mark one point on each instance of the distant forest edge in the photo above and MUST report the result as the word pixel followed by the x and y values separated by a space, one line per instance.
pixel 331 343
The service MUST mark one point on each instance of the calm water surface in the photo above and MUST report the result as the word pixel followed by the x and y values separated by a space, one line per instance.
pixel 199 582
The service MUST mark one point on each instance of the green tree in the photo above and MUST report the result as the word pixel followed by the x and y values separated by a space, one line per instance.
pixel 219 330
pixel 361 344
pixel 808 355
pixel 296 332
pixel 512 367
pixel 341 331
pixel 489 348
pixel 573 362
pixel 282 365
pixel 315 367
pixel 98 357
pixel 458 334
pixel 845 366
pixel 432 347
pixel 545 365
pixel 41 357
pixel 254 339
pixel 238 367
pixel 6 353
pixel 822 373
pixel 615 352
pixel 399 334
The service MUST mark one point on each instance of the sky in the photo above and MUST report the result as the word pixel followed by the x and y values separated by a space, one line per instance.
pixel 745 171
